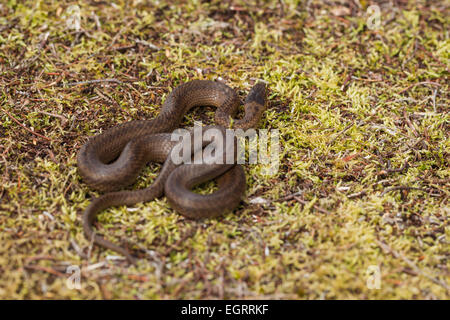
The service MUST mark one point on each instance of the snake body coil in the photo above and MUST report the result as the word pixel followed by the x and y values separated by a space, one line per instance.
pixel 112 160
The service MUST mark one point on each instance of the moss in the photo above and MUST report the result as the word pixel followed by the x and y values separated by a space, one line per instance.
pixel 352 105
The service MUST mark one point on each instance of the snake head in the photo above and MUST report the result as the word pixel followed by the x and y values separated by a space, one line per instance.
pixel 257 94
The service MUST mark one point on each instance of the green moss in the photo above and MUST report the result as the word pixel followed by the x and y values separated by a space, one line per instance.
pixel 352 106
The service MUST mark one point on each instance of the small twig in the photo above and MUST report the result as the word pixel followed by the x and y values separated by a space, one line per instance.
pixel 409 123
pixel 433 98
pixel 181 285
pixel 45 269
pixel 405 166
pixel 23 126
pixel 314 206
pixel 5 174
pixel 94 81
pixel 418 84
pixel 346 81
pixel 411 264
pixel 148 44
pixel 91 246
pixel 123 48
pixel 357 194
pixel 106 295
pixel 37 258
pixel 380 157
pixel 401 188
pixel 414 46
pixel 367 80
pixel 288 197
pixel 388 167
pixel 64 119
pixel 340 134
pixel 106 97
pixel 77 248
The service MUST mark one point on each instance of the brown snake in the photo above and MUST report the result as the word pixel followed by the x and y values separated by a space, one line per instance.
pixel 113 159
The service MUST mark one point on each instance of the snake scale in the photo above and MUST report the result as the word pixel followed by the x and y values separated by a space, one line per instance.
pixel 112 160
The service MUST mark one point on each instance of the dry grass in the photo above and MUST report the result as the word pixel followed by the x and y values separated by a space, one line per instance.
pixel 364 123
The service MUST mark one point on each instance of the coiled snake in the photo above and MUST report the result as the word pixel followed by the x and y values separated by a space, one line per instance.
pixel 113 159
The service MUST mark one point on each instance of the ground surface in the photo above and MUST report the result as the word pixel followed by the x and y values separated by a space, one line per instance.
pixel 363 183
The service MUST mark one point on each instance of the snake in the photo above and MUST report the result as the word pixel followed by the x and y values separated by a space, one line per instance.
pixel 113 159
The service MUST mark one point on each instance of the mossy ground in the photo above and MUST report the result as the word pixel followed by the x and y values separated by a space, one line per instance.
pixel 364 123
